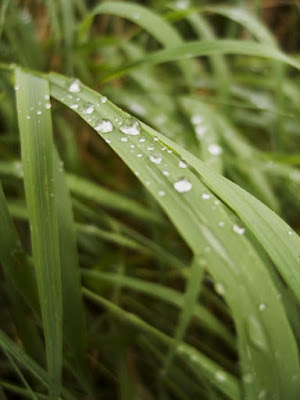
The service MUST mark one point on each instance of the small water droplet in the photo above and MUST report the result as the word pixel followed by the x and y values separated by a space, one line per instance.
pixel 27 116
pixel 290 233
pixel 156 158
pixel 124 139
pixel 39 112
pixel 132 146
pixel 155 139
pixel 150 148
pixel 108 141
pixel 182 164
pixel 221 224
pixel 166 173
pixel 238 229
pixel 74 106
pixel 17 87
pixel 142 140
pixel 88 108
pixel 206 196
pixel 197 119
pixel 139 155
pixel 183 185
pixel 47 106
pixel 75 86
pixel 161 193
pixel 130 126
pixel 103 126
pixel 262 307
pixel 103 99
pixel 220 288
pixel 215 149
pixel 200 131
pixel 220 376
pixel 47 97
pixel 256 333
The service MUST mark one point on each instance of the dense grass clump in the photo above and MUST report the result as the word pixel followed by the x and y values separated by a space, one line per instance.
pixel 149 200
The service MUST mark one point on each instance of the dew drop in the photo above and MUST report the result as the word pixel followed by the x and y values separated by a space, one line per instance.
pixel 142 140
pixel 220 288
pixel 75 86
pixel 150 148
pixel 256 333
pixel 103 126
pixel 182 164
pixel 88 108
pixel 290 233
pixel 183 185
pixel 47 106
pixel 156 158
pixel 166 173
pixel 200 131
pixel 132 146
pixel 161 193
pixel 47 97
pixel 103 99
pixel 124 139
pixel 262 307
pixel 221 224
pixel 205 196
pixel 238 229
pixel 215 149
pixel 74 106
pixel 139 155
pixel 17 87
pixel 220 376
pixel 248 378
pixel 155 139
pixel 196 119
pixel 130 126
pixel 39 112
pixel 108 141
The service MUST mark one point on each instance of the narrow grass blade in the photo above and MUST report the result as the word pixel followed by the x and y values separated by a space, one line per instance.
pixel 207 48
pixel 13 257
pixel 208 368
pixel 147 19
pixel 35 127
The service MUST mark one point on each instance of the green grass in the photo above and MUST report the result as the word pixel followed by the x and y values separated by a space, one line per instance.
pixel 149 202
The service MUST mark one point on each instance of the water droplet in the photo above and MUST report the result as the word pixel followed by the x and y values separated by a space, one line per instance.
pixel 220 288
pixel 161 193
pixel 150 148
pixel 217 202
pixel 262 307
pixel 130 126
pixel 47 97
pixel 215 149
pixel 200 131
pixel 103 99
pixel 290 233
pixel 183 185
pixel 39 112
pixel 27 116
pixel 132 146
pixel 47 106
pixel 75 86
pixel 166 173
pixel 142 140
pixel 139 155
pixel 205 196
pixel 220 376
pixel 155 139
pixel 256 333
pixel 221 224
pixel 238 229
pixel 156 158
pixel 182 164
pixel 124 139
pixel 88 108
pixel 169 151
pixel 103 126
pixel 17 87
pixel 196 119
pixel 74 106
pixel 108 141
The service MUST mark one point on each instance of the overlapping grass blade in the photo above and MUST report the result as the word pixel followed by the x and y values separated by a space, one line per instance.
pixel 35 127
pixel 242 277
pixel 209 368
pixel 206 48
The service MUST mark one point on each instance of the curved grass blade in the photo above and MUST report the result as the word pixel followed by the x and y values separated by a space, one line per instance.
pixel 207 48
pixel 165 294
pixel 240 272
pixel 35 127
pixel 150 21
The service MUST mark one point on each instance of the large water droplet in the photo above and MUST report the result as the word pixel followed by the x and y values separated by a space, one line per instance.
pixel 75 86
pixel 103 126
pixel 183 185
pixel 88 108
pixel 215 149
pixel 156 158
pixel 238 229
pixel 130 126
pixel 256 333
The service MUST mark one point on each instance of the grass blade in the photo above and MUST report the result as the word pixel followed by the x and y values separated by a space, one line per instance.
pixel 37 156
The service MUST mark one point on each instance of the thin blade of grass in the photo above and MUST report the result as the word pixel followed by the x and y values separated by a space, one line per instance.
pixel 37 155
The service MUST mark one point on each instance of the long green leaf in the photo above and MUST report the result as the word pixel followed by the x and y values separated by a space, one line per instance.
pixel 35 127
